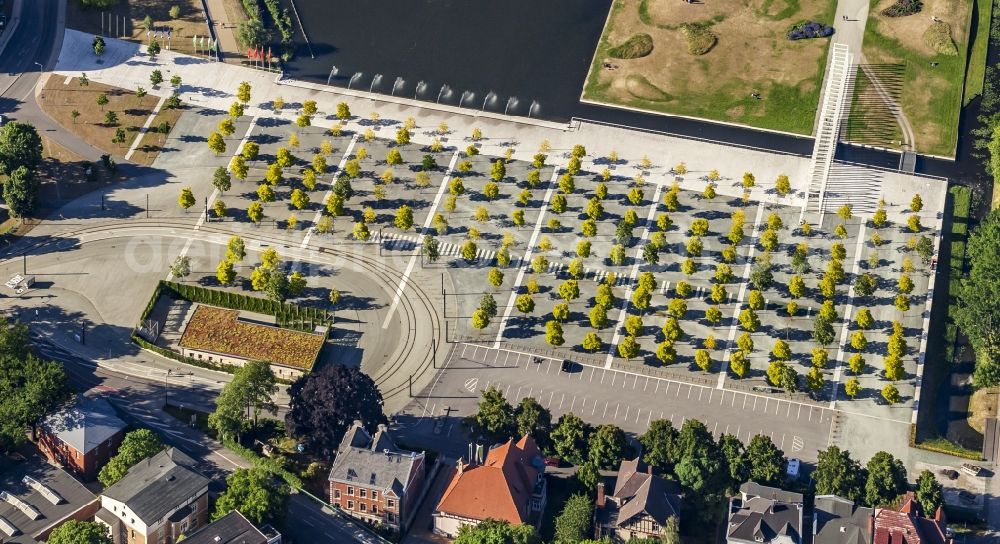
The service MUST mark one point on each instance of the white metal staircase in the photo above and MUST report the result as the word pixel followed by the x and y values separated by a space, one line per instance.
pixel 835 98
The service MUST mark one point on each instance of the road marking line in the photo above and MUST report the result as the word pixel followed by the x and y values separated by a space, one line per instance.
pixel 526 259
pixel 144 128
pixel 326 196
pixel 617 406
pixel 627 297
pixel 413 260
pixel 605 415
pixel 739 298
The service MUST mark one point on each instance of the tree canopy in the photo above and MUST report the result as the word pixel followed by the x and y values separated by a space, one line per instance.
pixel 20 145
pixel 30 388
pixel 573 523
pixel 250 390
pixel 494 531
pixel 80 532
pixel 325 402
pixel 886 479
pixel 979 300
pixel 137 445
pixel 837 474
pixel 256 493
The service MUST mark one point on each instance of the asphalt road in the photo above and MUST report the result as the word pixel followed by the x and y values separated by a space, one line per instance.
pixel 628 400
pixel 35 45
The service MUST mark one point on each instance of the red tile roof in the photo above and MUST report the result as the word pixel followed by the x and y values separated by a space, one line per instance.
pixel 905 526
pixel 500 488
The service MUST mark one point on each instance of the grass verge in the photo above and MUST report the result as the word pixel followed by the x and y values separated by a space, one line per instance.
pixel 975 71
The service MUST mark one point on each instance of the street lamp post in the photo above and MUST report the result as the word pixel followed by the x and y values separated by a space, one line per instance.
pixel 166 388
pixel 40 67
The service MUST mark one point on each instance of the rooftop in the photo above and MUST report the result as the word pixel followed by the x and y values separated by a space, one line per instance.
pixel 637 491
pixel 233 528
pixel 374 462
pixel 156 486
pixel 35 484
pixel 222 331
pixel 500 488
pixel 84 423
pixel 840 521
pixel 765 514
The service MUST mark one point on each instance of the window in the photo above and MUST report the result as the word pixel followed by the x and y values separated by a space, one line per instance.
pixel 350 505
pixel 391 517
pixel 350 491
pixel 374 495
pixel 364 507
pixel 374 509
pixel 362 492
pixel 390 503
pixel 336 493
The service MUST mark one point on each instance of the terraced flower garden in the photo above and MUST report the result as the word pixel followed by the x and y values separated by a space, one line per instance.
pixel 219 330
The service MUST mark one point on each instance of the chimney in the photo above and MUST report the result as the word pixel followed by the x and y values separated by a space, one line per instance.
pixel 649 469
pixel 600 495
pixel 382 428
pixel 939 515
pixel 460 466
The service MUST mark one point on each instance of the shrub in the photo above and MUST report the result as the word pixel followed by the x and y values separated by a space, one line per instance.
pixel 635 47
pixel 805 30
pixel 938 38
pixel 902 8
pixel 700 39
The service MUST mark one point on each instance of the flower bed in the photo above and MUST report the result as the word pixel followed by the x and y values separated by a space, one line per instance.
pixel 809 29
pixel 218 330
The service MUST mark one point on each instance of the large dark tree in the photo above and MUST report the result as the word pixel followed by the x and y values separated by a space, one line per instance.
pixel 606 446
pixel 20 145
pixel 736 459
pixel 324 403
pixel 659 444
pixel 532 418
pixel 495 418
pixel 886 479
pixel 837 474
pixel 20 191
pixel 767 462
pixel 569 438
pixel 30 387
pixel 979 300
pixel 929 493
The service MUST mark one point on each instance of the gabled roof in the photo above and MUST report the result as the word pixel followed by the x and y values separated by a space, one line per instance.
pixel 374 462
pixel 840 521
pixel 158 485
pixel 84 423
pixel 763 516
pixel 233 528
pixel 905 526
pixel 639 492
pixel 500 488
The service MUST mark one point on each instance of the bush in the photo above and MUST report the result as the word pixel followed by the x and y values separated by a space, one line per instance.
pixel 809 29
pixel 902 8
pixel 938 38
pixel 635 47
pixel 700 39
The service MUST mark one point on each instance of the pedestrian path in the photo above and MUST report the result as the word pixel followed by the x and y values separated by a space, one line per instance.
pixel 835 103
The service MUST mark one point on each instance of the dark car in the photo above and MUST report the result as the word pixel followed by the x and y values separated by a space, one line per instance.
pixel 949 473
pixel 552 461
pixel 566 365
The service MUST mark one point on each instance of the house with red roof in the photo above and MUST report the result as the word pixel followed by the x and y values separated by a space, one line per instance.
pixel 908 526
pixel 508 485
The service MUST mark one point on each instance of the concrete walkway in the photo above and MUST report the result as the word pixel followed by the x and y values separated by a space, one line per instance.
pixel 224 27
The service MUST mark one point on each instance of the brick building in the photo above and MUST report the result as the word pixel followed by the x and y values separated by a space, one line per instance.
pixel 159 499
pixel 82 437
pixel 374 480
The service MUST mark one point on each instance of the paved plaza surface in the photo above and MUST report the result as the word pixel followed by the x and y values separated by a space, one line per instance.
pixel 401 314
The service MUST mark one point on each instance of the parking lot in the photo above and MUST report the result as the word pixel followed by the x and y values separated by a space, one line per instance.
pixel 629 400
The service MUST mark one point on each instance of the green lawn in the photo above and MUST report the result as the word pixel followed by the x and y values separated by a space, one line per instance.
pixel 975 72
pixel 727 97
pixel 932 86
pixel 956 267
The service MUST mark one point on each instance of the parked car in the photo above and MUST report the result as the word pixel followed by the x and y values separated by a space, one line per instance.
pixel 552 461
pixel 566 365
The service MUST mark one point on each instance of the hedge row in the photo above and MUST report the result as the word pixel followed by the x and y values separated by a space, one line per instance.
pixel 956 451
pixel 287 315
